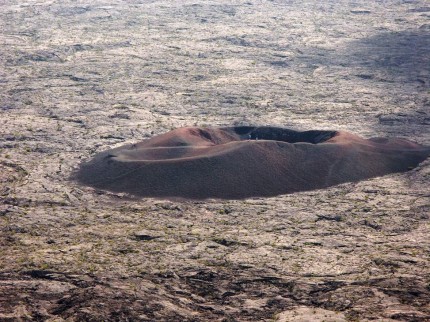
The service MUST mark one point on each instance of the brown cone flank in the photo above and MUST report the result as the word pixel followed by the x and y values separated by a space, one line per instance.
pixel 246 161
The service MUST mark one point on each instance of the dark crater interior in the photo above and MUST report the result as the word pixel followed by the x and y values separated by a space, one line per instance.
pixel 281 134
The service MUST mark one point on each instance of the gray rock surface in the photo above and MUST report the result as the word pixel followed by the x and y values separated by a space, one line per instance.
pixel 77 78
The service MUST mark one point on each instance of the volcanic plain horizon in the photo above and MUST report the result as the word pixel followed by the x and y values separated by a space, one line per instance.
pixel 78 78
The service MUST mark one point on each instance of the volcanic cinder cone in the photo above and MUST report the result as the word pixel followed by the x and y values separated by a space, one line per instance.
pixel 240 162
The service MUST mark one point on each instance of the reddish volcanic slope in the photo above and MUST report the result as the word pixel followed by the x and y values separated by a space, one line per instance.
pixel 240 162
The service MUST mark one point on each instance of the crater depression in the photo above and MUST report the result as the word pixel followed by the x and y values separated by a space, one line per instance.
pixel 245 161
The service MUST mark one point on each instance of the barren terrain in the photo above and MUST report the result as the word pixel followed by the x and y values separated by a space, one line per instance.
pixel 79 77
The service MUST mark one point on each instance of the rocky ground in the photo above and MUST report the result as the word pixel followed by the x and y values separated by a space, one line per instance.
pixel 78 77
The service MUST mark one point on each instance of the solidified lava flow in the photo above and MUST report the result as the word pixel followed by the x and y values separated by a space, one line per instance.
pixel 245 161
